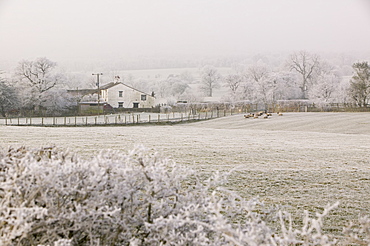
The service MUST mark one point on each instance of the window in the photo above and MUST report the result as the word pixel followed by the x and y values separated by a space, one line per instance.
pixel 136 105
pixel 120 104
pixel 120 93
pixel 143 97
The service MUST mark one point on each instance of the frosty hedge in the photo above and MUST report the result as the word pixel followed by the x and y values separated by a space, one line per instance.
pixel 50 197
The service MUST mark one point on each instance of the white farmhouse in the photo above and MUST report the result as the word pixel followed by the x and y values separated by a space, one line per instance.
pixel 120 95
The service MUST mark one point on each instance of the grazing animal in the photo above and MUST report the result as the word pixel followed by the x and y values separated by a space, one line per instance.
pixel 280 114
pixel 260 113
pixel 255 116
pixel 248 115
pixel 266 116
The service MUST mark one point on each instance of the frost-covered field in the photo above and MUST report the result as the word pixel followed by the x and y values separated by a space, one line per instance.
pixel 299 161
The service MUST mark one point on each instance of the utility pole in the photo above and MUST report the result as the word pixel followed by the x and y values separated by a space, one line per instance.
pixel 98 85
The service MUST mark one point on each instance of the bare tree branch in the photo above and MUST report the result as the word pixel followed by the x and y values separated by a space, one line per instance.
pixel 304 64
pixel 38 75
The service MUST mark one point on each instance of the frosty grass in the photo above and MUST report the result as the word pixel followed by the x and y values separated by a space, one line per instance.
pixel 299 161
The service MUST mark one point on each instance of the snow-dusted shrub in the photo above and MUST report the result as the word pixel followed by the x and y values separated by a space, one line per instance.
pixel 113 199
pixel 50 197
pixel 105 200
pixel 358 232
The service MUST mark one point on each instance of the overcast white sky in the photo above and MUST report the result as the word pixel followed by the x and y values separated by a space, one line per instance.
pixel 83 29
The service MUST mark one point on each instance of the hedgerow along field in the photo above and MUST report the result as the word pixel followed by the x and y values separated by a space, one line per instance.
pixel 298 161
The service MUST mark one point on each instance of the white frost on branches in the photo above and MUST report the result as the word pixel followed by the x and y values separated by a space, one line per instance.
pixel 50 197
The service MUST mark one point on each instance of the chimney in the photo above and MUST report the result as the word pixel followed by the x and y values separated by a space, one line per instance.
pixel 117 79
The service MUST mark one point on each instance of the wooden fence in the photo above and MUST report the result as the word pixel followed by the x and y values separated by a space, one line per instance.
pixel 117 119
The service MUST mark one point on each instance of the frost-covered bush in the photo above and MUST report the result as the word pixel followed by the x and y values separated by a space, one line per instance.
pixel 358 232
pixel 50 197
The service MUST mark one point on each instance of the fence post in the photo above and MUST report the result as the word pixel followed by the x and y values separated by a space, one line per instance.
pixel 75 120
pixel 30 121
pixel 18 121
pixel 6 121
pixel 159 116
pixel 206 115
pixel 149 119
pixel 65 120
pixel 86 120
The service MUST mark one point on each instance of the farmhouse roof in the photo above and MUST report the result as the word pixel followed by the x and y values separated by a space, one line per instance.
pixel 112 84
pixel 83 92
pixel 107 86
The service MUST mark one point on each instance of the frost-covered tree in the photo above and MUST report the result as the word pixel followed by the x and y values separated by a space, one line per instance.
pixel 326 83
pixel 59 101
pixel 173 86
pixel 305 64
pixel 342 92
pixel 324 88
pixel 161 89
pixel 283 85
pixel 177 85
pixel 234 82
pixel 260 84
pixel 39 77
pixel 360 83
pixel 187 77
pixel 210 80
pixel 8 97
